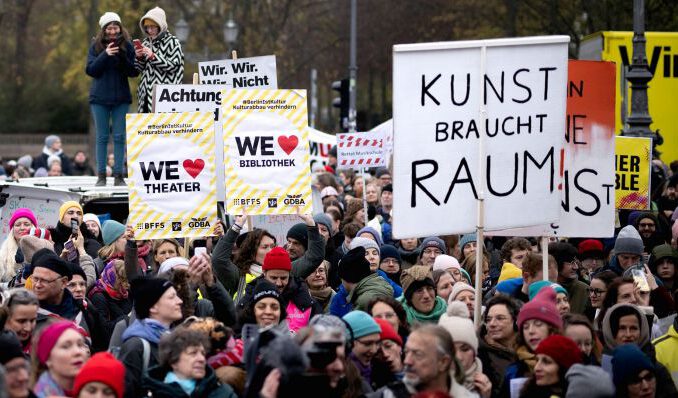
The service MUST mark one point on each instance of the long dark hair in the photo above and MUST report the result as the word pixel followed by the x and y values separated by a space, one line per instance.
pixel 100 41
pixel 248 250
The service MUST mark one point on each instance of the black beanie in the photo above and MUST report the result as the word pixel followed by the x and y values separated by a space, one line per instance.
pixel 387 187
pixel 146 291
pixel 46 258
pixel 299 232
pixel 10 347
pixel 353 267
pixel 264 289
pixel 76 269
pixel 416 285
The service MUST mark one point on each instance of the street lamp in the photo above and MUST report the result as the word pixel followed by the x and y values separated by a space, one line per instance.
pixel 182 30
pixel 230 31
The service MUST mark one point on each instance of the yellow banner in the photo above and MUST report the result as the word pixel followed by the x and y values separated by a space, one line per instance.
pixel 266 151
pixel 632 163
pixel 172 179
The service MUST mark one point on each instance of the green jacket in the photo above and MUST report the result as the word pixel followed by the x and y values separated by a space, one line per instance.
pixel 367 289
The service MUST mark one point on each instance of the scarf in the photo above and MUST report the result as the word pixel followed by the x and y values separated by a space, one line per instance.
pixel 107 283
pixel 46 386
pixel 50 152
pixel 527 357
pixel 414 316
pixel 142 251
pixel 365 371
pixel 476 367
pixel 188 385
pixel 147 329
pixel 256 270
pixel 66 309
pixel 322 294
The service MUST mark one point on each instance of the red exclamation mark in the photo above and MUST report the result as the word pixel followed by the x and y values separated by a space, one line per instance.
pixel 562 168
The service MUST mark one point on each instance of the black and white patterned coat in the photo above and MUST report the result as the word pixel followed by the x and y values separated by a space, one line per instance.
pixel 166 68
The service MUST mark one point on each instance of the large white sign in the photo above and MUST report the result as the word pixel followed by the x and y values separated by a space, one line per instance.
pixel 477 117
pixel 254 72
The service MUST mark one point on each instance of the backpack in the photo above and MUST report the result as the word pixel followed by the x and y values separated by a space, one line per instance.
pixel 116 342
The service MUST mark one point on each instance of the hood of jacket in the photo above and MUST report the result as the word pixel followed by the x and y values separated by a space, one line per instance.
pixel 373 284
pixel 157 15
pixel 608 337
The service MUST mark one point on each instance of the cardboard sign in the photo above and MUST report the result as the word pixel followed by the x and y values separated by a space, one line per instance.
pixel 266 151
pixel 172 179
pixel 360 150
pixel 587 205
pixel 632 160
pixel 254 72
pixel 448 98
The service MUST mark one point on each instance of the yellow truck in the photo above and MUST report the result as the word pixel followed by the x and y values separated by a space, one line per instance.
pixel 662 58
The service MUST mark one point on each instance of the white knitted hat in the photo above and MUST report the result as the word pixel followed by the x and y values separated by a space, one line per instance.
pixel 108 18
pixel 457 322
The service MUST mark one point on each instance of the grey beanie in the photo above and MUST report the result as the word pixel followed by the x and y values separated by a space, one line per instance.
pixel 324 219
pixel 365 243
pixel 51 139
pixel 467 238
pixel 629 241
pixel 588 382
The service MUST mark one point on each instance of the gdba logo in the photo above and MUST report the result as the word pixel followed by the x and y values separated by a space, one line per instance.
pixel 199 223
pixel 294 200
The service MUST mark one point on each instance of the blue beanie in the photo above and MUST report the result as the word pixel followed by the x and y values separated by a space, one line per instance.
pixel 535 287
pixel 362 324
pixel 467 238
pixel 627 361
pixel 111 231
pixel 433 241
pixel 390 251
pixel 371 231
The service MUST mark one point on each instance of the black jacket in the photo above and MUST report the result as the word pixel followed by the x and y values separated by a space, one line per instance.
pixel 111 310
pixel 207 387
pixel 41 161
pixel 61 233
pixel 132 356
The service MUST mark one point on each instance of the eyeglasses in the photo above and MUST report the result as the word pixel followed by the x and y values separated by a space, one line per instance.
pixel 647 378
pixel 41 281
pixel 24 365
pixel 595 292
pixel 433 252
pixel 389 261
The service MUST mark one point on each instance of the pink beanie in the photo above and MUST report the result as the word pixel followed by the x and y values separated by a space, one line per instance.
pixel 443 262
pixel 23 213
pixel 542 307
pixel 49 337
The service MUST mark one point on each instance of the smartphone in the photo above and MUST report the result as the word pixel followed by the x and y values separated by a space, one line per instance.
pixel 72 251
pixel 137 44
pixel 640 279
pixel 74 227
pixel 200 250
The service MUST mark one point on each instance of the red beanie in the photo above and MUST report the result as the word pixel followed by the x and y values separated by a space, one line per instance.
pixel 277 258
pixel 104 368
pixel 387 332
pixel 562 350
pixel 542 307
pixel 590 248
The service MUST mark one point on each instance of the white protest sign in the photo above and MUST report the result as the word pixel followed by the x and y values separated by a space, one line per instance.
pixel 172 179
pixel 319 144
pixel 386 129
pixel 588 175
pixel 266 151
pixel 475 117
pixel 277 225
pixel 254 72
pixel 359 150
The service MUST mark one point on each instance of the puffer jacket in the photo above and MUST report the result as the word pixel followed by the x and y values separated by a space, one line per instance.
pixel 367 289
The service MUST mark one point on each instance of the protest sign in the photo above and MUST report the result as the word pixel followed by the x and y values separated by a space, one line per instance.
pixel 477 117
pixel 254 72
pixel 319 144
pixel 266 151
pixel 276 225
pixel 587 204
pixel 632 160
pixel 360 150
pixel 172 179
pixel 386 128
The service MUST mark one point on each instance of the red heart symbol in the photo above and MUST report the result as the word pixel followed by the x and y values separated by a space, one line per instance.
pixel 288 143
pixel 193 167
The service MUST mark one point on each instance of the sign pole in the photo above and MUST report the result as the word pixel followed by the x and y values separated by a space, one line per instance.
pixel 480 225
pixel 545 257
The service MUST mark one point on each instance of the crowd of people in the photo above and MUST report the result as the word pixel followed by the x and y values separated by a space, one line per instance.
pixel 341 307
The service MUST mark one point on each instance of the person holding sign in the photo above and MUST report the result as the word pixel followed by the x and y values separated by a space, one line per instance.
pixel 159 57
pixel 110 62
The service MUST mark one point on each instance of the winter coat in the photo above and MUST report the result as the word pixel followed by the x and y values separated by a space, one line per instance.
pixel 666 348
pixel 41 161
pixel 323 297
pixel 207 387
pixel 81 169
pixel 110 86
pixel 229 275
pixel 397 290
pixel 167 65
pixel 61 233
pixel 81 312
pixel 369 288
pixel 495 359
pixel 112 310
pixel 132 356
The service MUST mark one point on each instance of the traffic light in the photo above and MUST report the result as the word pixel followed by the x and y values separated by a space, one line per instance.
pixel 341 102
